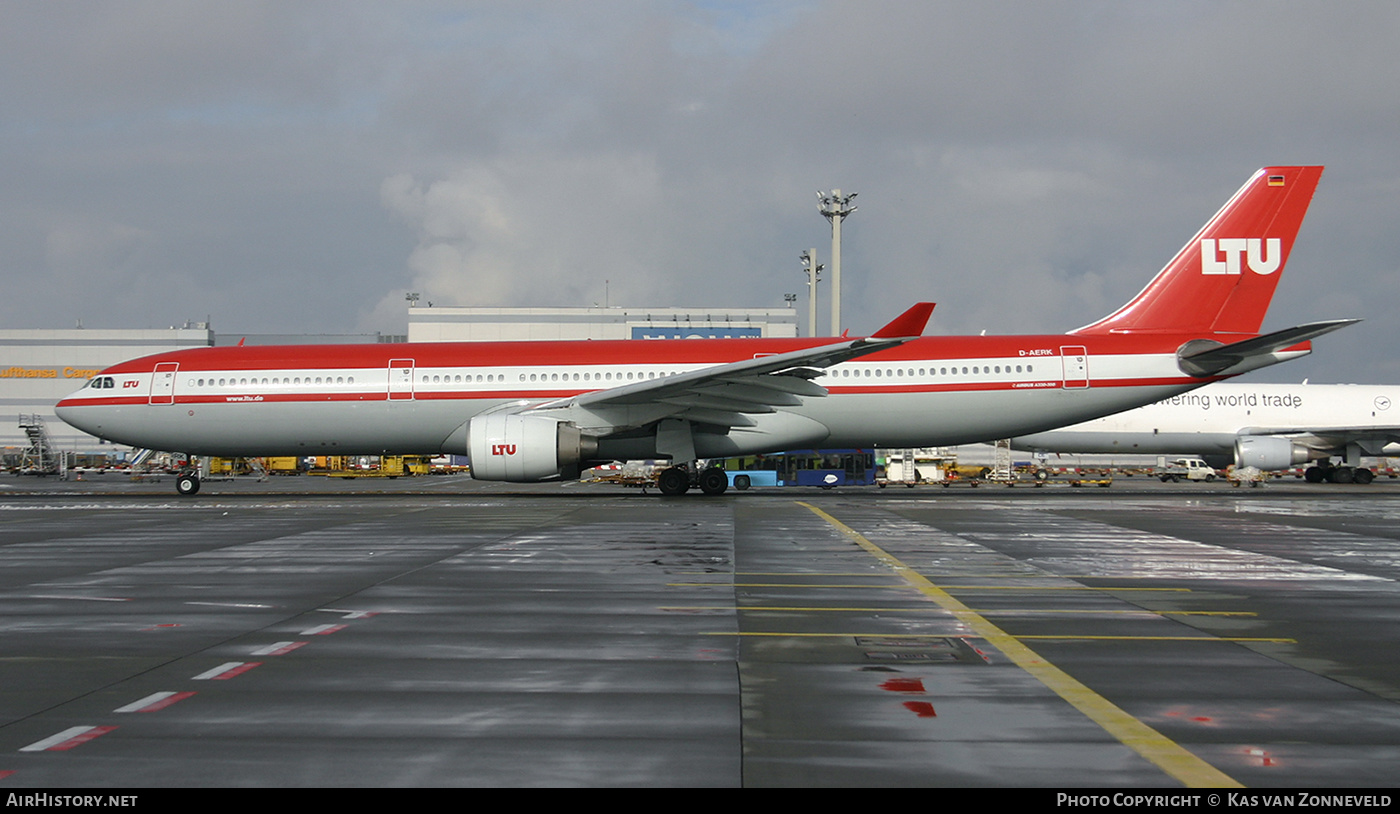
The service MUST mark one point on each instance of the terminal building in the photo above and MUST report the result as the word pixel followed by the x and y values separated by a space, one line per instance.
pixel 39 367
pixel 475 324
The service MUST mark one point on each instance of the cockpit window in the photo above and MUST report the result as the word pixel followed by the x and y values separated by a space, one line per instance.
pixel 102 382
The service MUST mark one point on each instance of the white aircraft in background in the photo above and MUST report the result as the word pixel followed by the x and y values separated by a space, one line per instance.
pixel 533 411
pixel 1266 426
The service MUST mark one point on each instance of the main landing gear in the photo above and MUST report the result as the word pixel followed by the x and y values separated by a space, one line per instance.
pixel 1338 474
pixel 677 480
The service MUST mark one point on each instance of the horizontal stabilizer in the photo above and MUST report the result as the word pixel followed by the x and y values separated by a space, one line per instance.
pixel 1205 357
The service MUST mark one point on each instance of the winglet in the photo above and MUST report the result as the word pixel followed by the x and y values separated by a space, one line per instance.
pixel 910 323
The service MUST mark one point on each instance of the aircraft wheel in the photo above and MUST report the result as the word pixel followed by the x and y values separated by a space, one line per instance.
pixel 1363 476
pixel 673 481
pixel 1342 474
pixel 742 482
pixel 187 484
pixel 1314 474
pixel 713 481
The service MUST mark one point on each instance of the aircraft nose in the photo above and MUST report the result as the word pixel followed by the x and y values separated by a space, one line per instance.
pixel 64 410
pixel 67 411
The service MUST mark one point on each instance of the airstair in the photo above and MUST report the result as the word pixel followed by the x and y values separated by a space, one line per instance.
pixel 39 457
pixel 1002 470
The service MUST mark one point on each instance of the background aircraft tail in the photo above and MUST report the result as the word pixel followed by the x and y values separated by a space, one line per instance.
pixel 1223 278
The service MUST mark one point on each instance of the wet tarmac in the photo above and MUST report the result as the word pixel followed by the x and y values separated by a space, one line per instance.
pixel 442 632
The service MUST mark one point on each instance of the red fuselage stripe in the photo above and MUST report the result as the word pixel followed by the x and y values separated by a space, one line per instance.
pixel 550 395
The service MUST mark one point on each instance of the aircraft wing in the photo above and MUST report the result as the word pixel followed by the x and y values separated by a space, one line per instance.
pixel 725 395
pixel 1371 439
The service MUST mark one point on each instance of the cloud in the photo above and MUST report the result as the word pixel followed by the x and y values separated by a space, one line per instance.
pixel 581 220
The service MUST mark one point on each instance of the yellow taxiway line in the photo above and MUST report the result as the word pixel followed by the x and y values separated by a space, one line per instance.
pixel 1162 751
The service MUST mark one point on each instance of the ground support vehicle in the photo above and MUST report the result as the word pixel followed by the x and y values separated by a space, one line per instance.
pixel 1185 469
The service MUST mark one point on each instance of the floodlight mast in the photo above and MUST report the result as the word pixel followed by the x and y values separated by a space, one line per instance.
pixel 813 270
pixel 835 207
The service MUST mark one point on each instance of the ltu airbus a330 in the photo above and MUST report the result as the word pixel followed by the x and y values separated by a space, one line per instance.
pixel 533 411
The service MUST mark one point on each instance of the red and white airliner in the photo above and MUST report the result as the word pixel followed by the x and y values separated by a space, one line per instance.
pixel 533 411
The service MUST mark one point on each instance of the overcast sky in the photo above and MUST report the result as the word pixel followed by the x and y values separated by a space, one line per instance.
pixel 296 167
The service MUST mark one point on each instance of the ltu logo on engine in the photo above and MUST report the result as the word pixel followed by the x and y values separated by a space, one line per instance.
pixel 1262 256
pixel 503 449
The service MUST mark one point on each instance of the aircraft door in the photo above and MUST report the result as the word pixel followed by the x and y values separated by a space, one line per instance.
pixel 400 379
pixel 163 383
pixel 1075 359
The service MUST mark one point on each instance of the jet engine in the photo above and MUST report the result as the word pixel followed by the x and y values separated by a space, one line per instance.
pixel 1269 453
pixel 525 448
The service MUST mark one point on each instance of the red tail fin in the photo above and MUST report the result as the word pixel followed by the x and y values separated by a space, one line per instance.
pixel 1223 279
